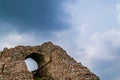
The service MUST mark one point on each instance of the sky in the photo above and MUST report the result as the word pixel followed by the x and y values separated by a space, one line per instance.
pixel 31 64
pixel 87 29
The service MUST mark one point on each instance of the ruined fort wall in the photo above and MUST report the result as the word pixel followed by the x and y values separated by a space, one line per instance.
pixel 55 63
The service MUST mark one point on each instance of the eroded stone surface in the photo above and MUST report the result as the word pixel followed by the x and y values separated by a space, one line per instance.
pixel 54 62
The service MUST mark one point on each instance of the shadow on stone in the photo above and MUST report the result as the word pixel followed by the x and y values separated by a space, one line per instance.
pixel 39 58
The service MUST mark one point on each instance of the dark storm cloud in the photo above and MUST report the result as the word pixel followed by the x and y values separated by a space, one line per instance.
pixel 43 15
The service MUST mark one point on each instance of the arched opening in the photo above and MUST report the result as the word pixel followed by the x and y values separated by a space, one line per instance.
pixel 33 62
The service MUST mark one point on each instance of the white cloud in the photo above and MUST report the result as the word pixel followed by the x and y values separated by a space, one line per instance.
pixel 88 47
pixel 73 10
pixel 13 39
pixel 91 47
pixel 99 48
pixel 104 45
pixel 96 50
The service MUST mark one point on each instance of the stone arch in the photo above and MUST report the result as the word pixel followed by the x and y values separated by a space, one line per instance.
pixel 39 58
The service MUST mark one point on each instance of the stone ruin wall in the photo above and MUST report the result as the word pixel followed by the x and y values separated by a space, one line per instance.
pixel 54 63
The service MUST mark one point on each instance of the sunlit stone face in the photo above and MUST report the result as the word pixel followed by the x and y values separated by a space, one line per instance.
pixel 31 64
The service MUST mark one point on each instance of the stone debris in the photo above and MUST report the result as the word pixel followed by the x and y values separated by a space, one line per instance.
pixel 54 63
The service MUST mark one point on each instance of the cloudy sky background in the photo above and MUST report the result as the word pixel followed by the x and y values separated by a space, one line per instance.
pixel 89 30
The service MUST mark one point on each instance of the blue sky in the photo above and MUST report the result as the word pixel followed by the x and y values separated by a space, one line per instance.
pixel 87 29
